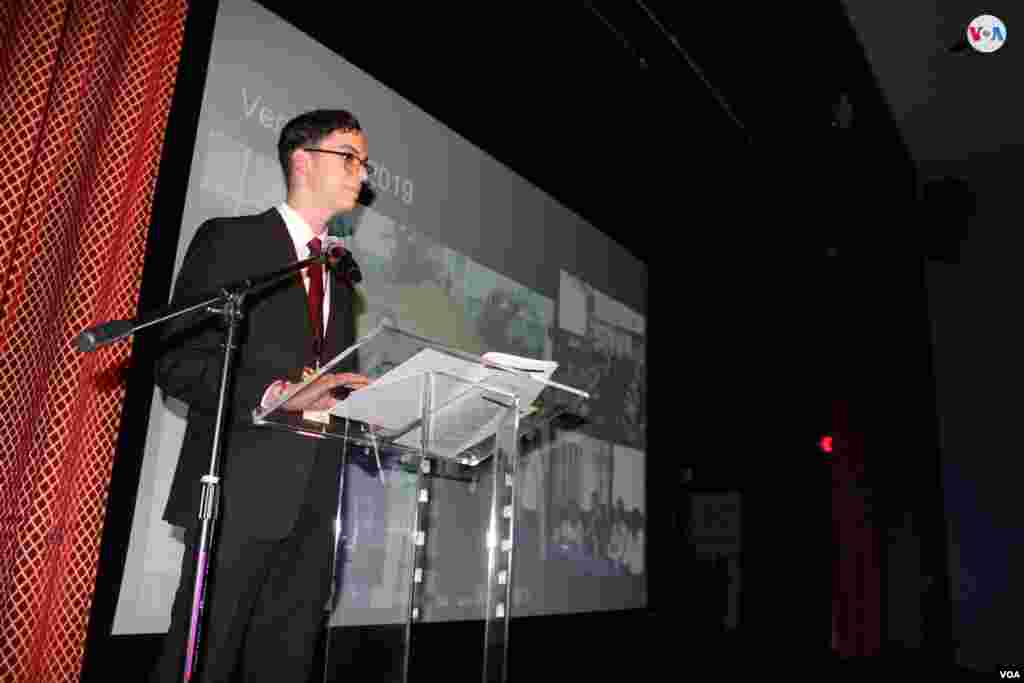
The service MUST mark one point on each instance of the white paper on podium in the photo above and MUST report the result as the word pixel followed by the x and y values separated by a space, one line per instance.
pixel 464 412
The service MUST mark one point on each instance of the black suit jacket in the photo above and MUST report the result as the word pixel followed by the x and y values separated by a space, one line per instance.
pixel 265 471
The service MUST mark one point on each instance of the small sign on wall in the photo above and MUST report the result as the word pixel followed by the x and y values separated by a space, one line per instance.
pixel 715 522
pixel 715 531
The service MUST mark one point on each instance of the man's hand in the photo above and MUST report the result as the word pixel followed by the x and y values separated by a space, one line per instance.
pixel 317 396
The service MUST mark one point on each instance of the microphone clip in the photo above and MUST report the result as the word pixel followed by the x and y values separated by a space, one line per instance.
pixel 341 262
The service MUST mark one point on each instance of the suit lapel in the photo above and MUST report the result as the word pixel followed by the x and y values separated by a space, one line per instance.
pixel 339 329
pixel 294 298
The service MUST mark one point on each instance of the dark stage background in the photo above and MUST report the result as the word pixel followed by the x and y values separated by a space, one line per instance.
pixel 801 283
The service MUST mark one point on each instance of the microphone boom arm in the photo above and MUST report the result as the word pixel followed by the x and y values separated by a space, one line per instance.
pixel 115 330
pixel 228 303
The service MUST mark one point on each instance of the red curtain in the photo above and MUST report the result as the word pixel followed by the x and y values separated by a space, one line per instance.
pixel 856 586
pixel 85 89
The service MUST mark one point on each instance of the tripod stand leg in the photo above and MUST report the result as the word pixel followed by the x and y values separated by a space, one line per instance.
pixel 208 506
pixel 198 592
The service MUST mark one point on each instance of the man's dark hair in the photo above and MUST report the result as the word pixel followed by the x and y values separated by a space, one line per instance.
pixel 309 129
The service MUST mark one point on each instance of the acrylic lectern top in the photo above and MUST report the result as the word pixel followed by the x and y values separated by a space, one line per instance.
pixel 424 396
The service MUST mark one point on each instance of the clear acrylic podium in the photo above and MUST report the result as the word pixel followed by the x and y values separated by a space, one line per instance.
pixel 427 495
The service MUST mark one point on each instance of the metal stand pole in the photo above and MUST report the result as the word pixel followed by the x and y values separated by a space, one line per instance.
pixel 208 507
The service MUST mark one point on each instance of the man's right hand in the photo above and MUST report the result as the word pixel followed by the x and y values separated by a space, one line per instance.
pixel 317 396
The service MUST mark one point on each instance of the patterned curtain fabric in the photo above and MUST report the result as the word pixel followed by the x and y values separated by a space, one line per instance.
pixel 85 90
pixel 856 584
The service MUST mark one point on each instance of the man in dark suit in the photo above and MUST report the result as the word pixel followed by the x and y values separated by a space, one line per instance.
pixel 269 579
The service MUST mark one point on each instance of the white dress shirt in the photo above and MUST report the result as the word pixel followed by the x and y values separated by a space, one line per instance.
pixel 301 234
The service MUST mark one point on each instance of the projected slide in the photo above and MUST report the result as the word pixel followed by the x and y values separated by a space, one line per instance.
pixel 455 247
pixel 601 346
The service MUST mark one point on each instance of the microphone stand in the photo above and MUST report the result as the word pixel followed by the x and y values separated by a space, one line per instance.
pixel 229 305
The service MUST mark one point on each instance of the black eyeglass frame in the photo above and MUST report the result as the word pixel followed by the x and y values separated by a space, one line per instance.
pixel 349 158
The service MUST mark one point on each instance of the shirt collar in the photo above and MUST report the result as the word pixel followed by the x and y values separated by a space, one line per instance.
pixel 298 229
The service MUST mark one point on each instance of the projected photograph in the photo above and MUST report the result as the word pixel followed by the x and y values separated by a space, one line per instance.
pixel 601 346
pixel 587 553
pixel 456 548
pixel 531 524
pixel 572 547
pixel 630 510
pixel 375 558
pixel 508 317
pixel 430 290
pixel 407 280
pixel 581 508
pixel 374 554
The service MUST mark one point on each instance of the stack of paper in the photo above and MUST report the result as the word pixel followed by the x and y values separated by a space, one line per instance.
pixel 469 400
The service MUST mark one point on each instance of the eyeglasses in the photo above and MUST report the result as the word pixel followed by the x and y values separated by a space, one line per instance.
pixel 352 162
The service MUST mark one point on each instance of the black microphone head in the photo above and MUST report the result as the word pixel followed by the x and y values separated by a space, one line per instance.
pixel 340 260
pixel 86 342
pixel 100 335
pixel 335 250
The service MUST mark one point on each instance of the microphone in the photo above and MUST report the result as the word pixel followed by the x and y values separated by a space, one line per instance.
pixel 340 260
pixel 98 335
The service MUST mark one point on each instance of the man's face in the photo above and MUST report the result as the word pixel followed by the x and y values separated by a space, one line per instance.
pixel 334 180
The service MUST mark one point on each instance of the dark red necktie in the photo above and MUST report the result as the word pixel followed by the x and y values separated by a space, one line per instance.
pixel 316 297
